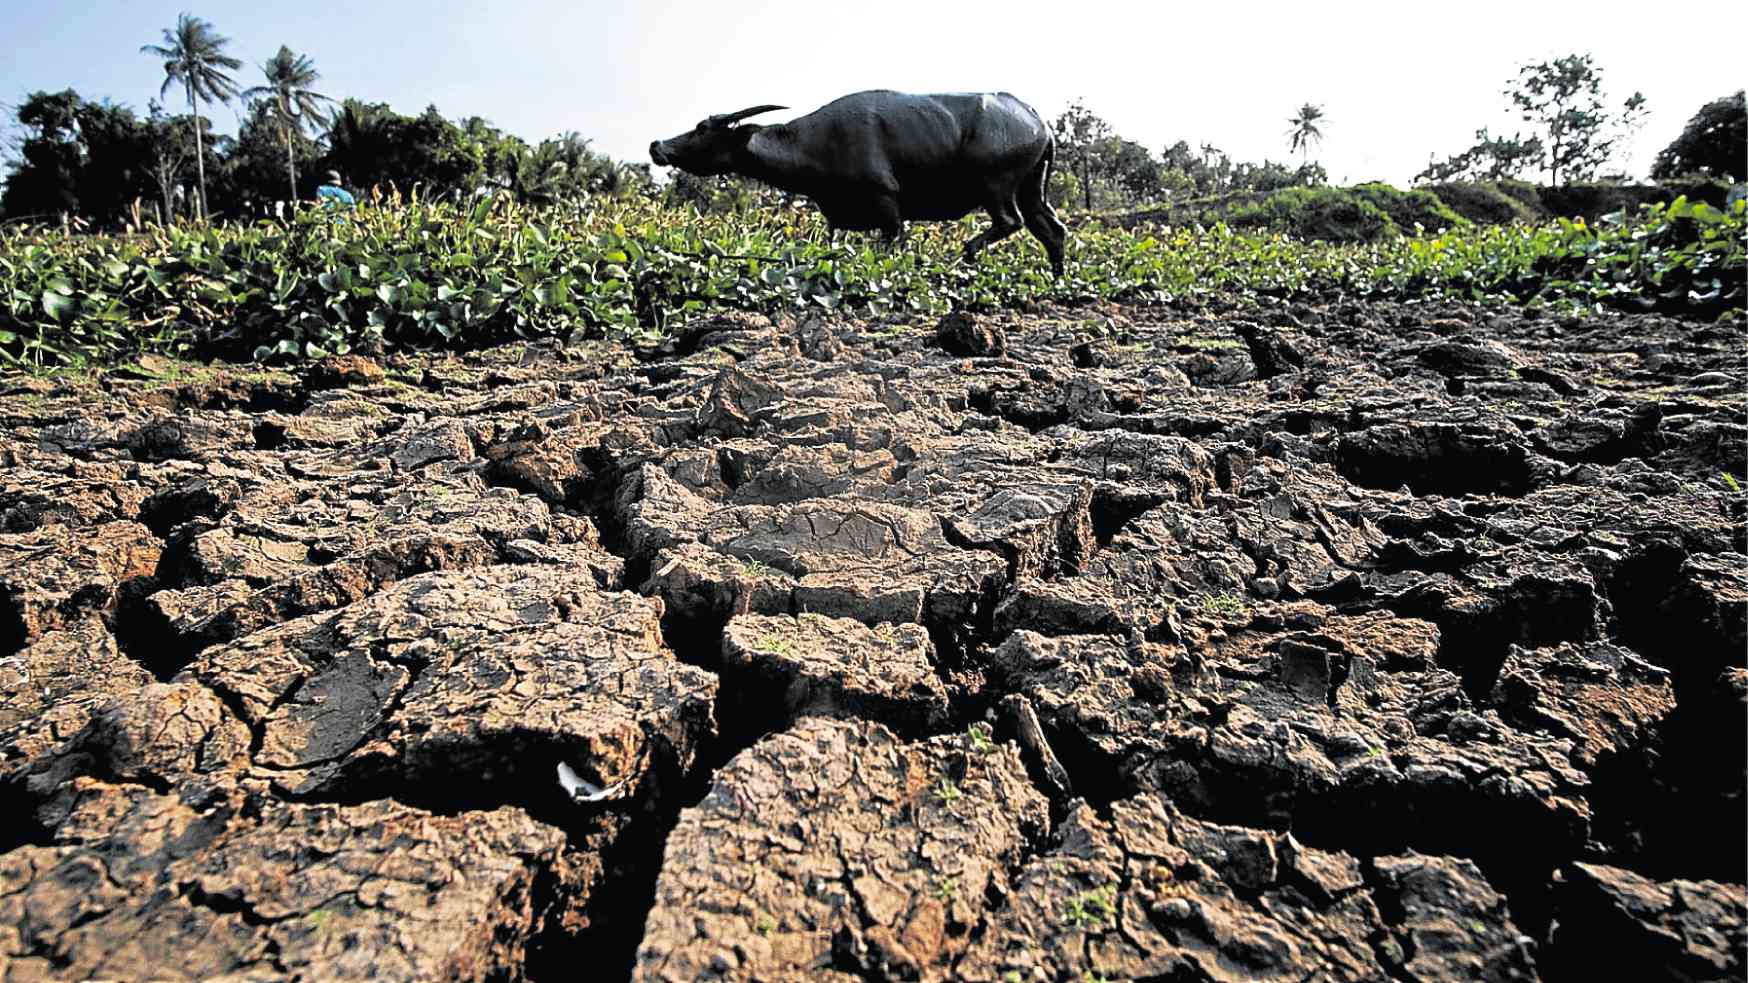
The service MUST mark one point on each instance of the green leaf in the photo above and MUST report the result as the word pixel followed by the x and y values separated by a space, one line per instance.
pixel 57 306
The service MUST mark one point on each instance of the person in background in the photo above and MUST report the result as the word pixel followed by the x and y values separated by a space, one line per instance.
pixel 332 194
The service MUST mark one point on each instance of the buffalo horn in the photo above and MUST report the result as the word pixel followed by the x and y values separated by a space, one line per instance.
pixel 726 118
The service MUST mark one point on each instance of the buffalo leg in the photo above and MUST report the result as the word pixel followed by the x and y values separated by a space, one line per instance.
pixel 889 219
pixel 1041 219
pixel 1004 221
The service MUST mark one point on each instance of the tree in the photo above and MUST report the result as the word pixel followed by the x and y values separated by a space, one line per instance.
pixel 1270 176
pixel 1714 142
pixel 294 104
pixel 1490 159
pixel 194 57
pixel 116 150
pixel 1131 167
pixel 45 182
pixel 372 144
pixel 1078 133
pixel 1563 99
pixel 77 157
pixel 253 169
pixel 167 156
pixel 1306 129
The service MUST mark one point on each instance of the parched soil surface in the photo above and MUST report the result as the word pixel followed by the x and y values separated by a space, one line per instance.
pixel 1276 642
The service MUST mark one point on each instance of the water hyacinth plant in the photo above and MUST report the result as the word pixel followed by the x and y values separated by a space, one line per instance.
pixel 405 271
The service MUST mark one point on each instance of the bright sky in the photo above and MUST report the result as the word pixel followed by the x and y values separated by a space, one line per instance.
pixel 1397 81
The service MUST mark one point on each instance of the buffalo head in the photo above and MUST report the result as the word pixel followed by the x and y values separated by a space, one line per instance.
pixel 709 147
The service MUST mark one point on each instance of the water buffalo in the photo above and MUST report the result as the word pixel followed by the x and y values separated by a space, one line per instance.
pixel 873 160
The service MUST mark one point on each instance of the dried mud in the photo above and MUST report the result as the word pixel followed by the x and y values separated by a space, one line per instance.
pixel 1340 641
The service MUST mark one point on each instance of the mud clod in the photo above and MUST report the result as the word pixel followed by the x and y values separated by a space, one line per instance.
pixel 838 847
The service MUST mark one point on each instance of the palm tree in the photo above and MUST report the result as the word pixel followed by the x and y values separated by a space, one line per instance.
pixel 289 77
pixel 1305 130
pixel 194 56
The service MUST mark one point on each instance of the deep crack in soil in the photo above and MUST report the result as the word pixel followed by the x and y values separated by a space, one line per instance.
pixel 1257 640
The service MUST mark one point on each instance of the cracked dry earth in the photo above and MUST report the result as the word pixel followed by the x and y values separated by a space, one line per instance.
pixel 1334 641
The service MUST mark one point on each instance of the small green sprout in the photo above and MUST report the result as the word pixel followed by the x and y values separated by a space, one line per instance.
pixel 1226 604
pixel 1731 482
pixel 766 925
pixel 1092 908
pixel 1208 343
pixel 773 645
pixel 947 792
pixel 946 888
pixel 982 738
pixel 755 568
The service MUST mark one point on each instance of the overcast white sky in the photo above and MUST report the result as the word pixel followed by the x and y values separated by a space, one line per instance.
pixel 1398 81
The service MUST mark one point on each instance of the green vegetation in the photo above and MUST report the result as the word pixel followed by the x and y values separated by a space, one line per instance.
pixel 1327 214
pixel 194 57
pixel 98 163
pixel 1408 209
pixel 1092 909
pixel 1711 143
pixel 1306 129
pixel 981 737
pixel 947 792
pixel 1226 604
pixel 773 645
pixel 407 272
pixel 1563 100
pixel 1488 202
pixel 291 103
pixel 1203 344
pixel 1372 212
pixel 755 568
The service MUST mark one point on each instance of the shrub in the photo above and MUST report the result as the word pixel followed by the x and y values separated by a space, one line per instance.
pixel 1524 191
pixel 1485 203
pixel 1326 214
pixel 1591 200
pixel 1410 208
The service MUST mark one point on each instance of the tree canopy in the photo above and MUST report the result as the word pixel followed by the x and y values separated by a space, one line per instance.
pixel 1563 99
pixel 1714 143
